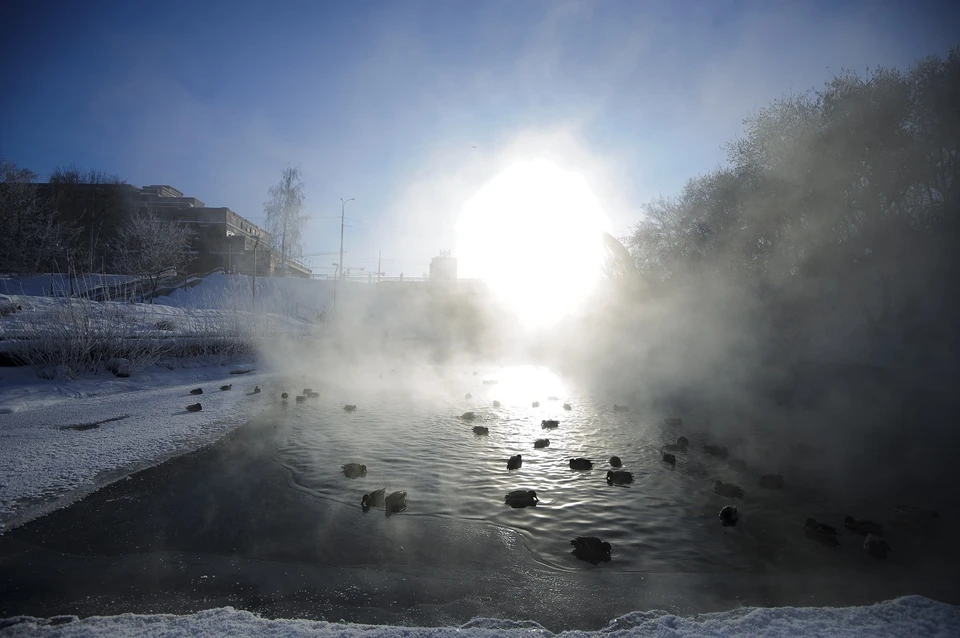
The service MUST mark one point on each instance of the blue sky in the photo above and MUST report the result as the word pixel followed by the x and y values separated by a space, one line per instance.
pixel 385 101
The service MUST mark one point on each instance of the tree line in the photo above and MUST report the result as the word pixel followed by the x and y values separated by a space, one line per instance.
pixel 836 215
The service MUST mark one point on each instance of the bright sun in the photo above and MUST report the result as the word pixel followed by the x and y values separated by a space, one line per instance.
pixel 534 235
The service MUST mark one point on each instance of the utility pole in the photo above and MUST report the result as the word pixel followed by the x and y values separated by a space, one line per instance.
pixel 343 205
pixel 255 270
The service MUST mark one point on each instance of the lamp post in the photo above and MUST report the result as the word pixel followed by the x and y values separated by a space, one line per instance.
pixel 255 269
pixel 335 279
pixel 343 205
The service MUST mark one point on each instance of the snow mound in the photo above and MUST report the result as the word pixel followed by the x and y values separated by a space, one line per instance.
pixel 907 616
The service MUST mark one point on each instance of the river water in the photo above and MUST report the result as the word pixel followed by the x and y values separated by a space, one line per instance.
pixel 407 430
pixel 265 519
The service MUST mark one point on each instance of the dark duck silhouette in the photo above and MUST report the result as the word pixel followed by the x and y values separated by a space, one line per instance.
pixel 521 498
pixel 373 499
pixel 862 526
pixel 591 549
pixel 224 388
pixel 468 416
pixel 668 458
pixel 729 515
pixel 680 446
pixel 615 461
pixel 619 477
pixel 354 470
pixel 284 395
pixel 876 546
pixel 514 462
pixel 256 389
pixel 728 489
pixel 549 424
pixel 395 502
pixel 496 404
pixel 300 398
pixel 196 407
pixel 481 430
pixel 541 443
pixel 772 481
pixel 821 532
pixel 716 450
pixel 567 406
pixel 535 404
pixel 349 408
pixel 196 391
pixel 581 463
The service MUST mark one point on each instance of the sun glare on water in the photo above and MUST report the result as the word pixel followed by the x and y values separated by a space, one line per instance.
pixel 534 235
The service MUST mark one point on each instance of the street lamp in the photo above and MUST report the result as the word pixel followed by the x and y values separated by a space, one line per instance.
pixel 335 279
pixel 336 282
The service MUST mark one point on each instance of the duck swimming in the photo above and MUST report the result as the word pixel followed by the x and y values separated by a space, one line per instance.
pixel 669 458
pixel 615 461
pixel 496 404
pixel 481 430
pixel 581 463
pixel 300 398
pixel 619 477
pixel 549 423
pixel 373 499
pixel 196 407
pixel 354 470
pixel 729 515
pixel 772 481
pixel 680 446
pixel 395 502
pixel 468 416
pixel 728 489
pixel 567 406
pixel 224 388
pixel 468 396
pixel 284 395
pixel 196 391
pixel 535 404
pixel 307 392
pixel 514 462
pixel 591 549
pixel 349 408
pixel 521 498
pixel 876 546
pixel 716 450
pixel 821 532
pixel 862 526
pixel 256 389
pixel 541 443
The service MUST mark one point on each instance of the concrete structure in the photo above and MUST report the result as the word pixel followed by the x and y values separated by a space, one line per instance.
pixel 222 238
pixel 444 267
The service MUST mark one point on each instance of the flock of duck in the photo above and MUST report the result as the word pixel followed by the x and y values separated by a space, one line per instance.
pixel 596 550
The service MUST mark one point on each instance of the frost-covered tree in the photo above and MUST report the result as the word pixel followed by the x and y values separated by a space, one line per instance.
pixel 283 215
pixel 152 247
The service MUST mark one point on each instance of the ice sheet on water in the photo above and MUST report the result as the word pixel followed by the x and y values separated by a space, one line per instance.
pixel 907 616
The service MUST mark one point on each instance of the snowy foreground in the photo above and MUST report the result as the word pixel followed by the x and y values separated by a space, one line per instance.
pixel 63 439
pixel 907 616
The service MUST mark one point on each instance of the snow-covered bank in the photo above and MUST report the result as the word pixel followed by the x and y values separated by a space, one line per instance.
pixel 124 423
pixel 907 616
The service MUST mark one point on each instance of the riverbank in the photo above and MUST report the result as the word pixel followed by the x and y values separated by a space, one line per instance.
pixel 60 440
